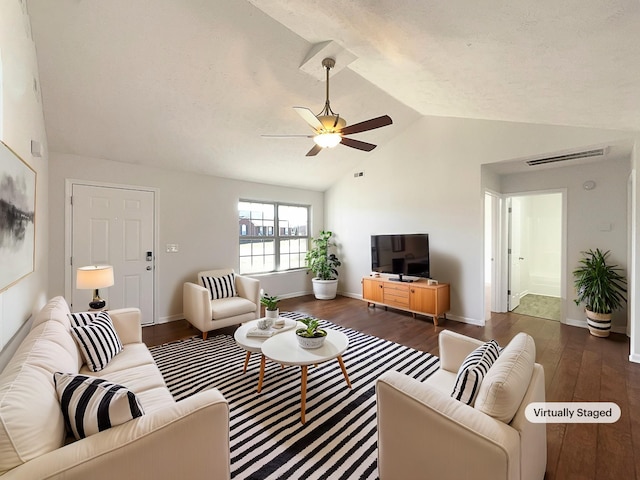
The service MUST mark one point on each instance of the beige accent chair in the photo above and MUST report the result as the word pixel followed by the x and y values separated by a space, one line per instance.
pixel 206 314
pixel 425 433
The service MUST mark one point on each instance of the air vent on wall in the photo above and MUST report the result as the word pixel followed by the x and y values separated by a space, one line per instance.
pixel 599 152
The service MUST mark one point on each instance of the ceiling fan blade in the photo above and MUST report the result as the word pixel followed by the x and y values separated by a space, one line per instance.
pixel 377 122
pixel 314 151
pixel 287 136
pixel 350 142
pixel 308 116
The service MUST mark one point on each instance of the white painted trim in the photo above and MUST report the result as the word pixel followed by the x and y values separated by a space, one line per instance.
pixel 572 322
pixel 68 271
pixel 634 357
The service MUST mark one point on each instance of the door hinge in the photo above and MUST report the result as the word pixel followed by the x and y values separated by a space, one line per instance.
pixel 508 292
pixel 71 199
pixel 71 261
pixel 510 210
pixel 509 251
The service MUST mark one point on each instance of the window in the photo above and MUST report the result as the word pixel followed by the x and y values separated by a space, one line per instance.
pixel 273 236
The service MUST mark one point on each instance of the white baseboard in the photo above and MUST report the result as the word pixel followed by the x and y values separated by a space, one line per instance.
pixel 583 324
pixel 470 321
pixel 635 358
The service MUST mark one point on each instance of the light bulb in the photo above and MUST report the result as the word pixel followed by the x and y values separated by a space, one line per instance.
pixel 327 140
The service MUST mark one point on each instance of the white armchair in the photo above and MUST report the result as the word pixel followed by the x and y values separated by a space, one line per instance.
pixel 206 314
pixel 425 433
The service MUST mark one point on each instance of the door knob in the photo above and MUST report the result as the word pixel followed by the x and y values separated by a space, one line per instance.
pixel 149 267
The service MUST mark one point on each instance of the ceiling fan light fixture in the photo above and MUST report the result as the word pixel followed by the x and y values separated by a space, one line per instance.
pixel 327 140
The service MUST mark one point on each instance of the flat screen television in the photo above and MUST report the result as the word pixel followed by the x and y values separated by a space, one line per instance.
pixel 404 255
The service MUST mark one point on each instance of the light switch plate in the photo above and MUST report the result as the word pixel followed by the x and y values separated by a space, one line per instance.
pixel 172 248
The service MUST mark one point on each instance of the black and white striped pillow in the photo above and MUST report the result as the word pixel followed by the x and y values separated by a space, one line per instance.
pixel 473 370
pixel 90 404
pixel 80 319
pixel 221 287
pixel 98 341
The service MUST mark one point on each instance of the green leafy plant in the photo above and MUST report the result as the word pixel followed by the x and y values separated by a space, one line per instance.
pixel 270 302
pixel 600 287
pixel 312 330
pixel 318 259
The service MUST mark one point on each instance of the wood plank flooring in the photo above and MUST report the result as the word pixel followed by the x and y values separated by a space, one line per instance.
pixel 578 367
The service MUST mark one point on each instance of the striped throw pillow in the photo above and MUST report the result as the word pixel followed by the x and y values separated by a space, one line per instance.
pixel 90 404
pixel 221 287
pixel 473 370
pixel 80 319
pixel 98 341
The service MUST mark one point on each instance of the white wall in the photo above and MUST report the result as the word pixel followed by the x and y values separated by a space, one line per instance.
pixel 22 121
pixel 198 212
pixel 428 179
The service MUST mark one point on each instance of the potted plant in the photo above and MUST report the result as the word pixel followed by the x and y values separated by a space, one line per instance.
pixel 270 303
pixel 323 265
pixel 312 336
pixel 601 287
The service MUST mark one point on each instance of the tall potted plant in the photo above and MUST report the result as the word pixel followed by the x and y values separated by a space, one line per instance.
pixel 323 265
pixel 601 287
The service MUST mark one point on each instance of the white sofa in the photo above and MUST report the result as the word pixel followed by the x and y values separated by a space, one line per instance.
pixel 206 314
pixel 186 439
pixel 425 433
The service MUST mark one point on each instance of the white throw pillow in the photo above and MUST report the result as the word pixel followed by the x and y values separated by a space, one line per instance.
pixel 472 371
pixel 90 404
pixel 220 287
pixel 506 383
pixel 98 341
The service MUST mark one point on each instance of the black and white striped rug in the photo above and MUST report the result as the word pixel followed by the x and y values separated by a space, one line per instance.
pixel 338 440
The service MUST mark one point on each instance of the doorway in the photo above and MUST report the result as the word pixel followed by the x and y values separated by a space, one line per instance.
pixel 116 226
pixel 535 230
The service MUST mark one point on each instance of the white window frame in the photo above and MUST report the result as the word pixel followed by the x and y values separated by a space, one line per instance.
pixel 275 235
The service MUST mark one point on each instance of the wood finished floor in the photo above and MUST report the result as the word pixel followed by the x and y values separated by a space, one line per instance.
pixel 578 367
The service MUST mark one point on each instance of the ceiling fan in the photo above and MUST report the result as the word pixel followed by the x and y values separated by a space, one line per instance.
pixel 331 129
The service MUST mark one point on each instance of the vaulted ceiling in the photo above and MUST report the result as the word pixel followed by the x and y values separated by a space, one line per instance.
pixel 193 84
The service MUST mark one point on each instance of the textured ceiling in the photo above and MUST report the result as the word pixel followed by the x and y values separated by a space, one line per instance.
pixel 193 84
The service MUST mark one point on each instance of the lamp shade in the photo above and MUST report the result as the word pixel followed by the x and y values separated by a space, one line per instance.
pixel 94 277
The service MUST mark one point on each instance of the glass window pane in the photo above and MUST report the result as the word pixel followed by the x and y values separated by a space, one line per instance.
pixel 292 220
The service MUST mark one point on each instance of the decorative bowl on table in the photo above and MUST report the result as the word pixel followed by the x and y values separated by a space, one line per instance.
pixel 265 323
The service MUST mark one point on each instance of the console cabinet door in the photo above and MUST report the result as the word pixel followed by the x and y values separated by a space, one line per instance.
pixel 423 300
pixel 372 290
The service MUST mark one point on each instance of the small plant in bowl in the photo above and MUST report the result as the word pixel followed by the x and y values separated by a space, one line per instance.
pixel 270 303
pixel 312 336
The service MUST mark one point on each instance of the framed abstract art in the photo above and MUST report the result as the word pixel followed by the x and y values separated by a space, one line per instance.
pixel 17 218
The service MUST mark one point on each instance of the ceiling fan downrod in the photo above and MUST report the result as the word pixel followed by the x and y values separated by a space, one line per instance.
pixel 328 64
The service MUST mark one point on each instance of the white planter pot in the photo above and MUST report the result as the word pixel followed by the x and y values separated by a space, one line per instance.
pixel 324 289
pixel 310 343
pixel 274 314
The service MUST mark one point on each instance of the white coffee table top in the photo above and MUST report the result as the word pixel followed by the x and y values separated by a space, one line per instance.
pixel 285 349
pixel 254 344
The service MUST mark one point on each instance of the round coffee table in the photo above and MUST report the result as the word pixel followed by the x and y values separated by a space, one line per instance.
pixel 284 349
pixel 254 344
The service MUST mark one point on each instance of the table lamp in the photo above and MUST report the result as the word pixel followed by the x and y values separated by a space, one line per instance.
pixel 94 277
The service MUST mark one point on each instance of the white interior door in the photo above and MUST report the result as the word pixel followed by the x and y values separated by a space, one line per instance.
pixel 514 252
pixel 115 226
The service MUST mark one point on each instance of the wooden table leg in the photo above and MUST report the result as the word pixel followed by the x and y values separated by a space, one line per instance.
pixel 303 393
pixel 262 362
pixel 344 370
pixel 246 362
